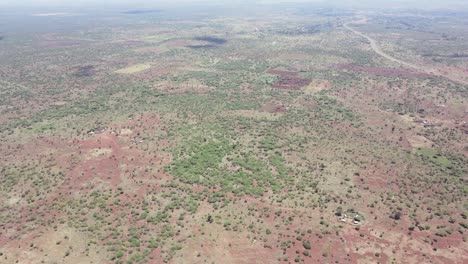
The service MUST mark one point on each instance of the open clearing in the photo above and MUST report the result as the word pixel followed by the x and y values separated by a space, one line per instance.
pixel 134 69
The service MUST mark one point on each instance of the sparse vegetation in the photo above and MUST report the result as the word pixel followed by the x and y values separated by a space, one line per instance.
pixel 155 138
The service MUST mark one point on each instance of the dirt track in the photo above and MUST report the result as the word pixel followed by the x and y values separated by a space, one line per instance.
pixel 375 46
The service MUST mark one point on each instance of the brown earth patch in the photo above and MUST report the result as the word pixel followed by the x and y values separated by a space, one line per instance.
pixel 98 163
pixel 274 107
pixel 379 176
pixel 417 141
pixel 227 247
pixel 64 245
pixel 368 246
pixel 288 80
pixel 109 157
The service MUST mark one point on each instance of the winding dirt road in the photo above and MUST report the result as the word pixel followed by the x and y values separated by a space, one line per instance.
pixel 375 46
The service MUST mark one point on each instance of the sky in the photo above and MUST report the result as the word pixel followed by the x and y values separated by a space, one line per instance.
pixel 154 3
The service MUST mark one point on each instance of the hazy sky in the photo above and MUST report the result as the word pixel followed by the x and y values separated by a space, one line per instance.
pixel 153 3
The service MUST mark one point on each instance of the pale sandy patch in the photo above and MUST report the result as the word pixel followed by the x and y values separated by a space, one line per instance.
pixel 64 245
pixel 94 153
pixel 317 85
pixel 417 141
pixel 125 132
pixel 134 69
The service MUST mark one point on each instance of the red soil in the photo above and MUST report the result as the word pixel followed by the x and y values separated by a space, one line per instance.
pixel 107 156
pixel 105 167
pixel 288 80
pixel 273 107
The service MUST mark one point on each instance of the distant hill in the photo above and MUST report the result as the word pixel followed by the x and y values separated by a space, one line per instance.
pixel 138 12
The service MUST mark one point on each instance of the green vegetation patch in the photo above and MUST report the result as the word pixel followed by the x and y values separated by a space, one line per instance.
pixel 434 156
pixel 267 79
pixel 330 109
pixel 218 161
pixel 203 164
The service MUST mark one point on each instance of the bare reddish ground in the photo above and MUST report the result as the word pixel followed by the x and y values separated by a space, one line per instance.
pixel 141 123
pixel 273 107
pixel 362 249
pixel 117 154
pixel 156 256
pixel 58 44
pixel 455 240
pixel 120 159
pixel 105 167
pixel 238 251
pixel 325 248
pixel 381 71
pixel 379 176
pixel 288 80
pixel 401 245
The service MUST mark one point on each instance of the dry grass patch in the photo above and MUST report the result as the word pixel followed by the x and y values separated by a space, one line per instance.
pixel 100 152
pixel 125 132
pixel 64 245
pixel 417 141
pixel 134 69
pixel 317 85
